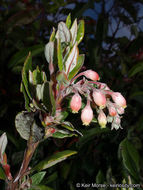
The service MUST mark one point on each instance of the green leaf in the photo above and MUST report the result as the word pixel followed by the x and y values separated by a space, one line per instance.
pixel 73 31
pixel 49 52
pixel 72 59
pixel 37 77
pixel 53 102
pixel 136 69
pixel 3 143
pixel 80 63
pixel 46 96
pixel 70 127
pixel 130 157
pixel 63 33
pixel 62 77
pixel 80 31
pixel 25 72
pixel 20 56
pixel 27 100
pixel 23 123
pixel 68 21
pixel 26 125
pixel 52 37
pixel 37 178
pixel 60 56
pixel 54 159
pixel 60 134
pixel 2 173
pixel 100 177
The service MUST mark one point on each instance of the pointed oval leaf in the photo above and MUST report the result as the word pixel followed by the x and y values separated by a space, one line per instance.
pixel 49 52
pixel 80 31
pixel 52 98
pixel 68 21
pixel 25 72
pixel 27 126
pixel 61 135
pixel 46 96
pixel 130 157
pixel 27 100
pixel 54 159
pixel 63 32
pixel 78 66
pixel 23 122
pixel 3 143
pixel 52 37
pixel 73 31
pixel 37 178
pixel 72 59
pixel 60 56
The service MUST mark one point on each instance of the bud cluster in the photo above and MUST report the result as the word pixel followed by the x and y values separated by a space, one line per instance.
pixel 108 105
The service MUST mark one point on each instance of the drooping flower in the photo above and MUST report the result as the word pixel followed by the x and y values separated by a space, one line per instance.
pixel 120 110
pixel 99 98
pixel 87 114
pixel 102 119
pixel 91 75
pixel 112 110
pixel 116 124
pixel 75 103
pixel 119 99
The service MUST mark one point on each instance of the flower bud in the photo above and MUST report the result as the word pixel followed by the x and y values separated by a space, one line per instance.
pixel 87 115
pixel 91 75
pixel 119 99
pixel 102 120
pixel 75 103
pixel 112 110
pixel 99 98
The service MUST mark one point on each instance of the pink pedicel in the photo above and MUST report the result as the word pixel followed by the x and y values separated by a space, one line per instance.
pixel 99 98
pixel 91 75
pixel 102 120
pixel 75 103
pixel 119 99
pixel 87 115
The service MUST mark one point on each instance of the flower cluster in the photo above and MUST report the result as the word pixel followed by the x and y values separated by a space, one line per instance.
pixel 109 105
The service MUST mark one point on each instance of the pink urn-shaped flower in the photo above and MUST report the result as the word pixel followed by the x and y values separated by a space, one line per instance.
pixel 75 103
pixel 112 110
pixel 120 110
pixel 102 119
pixel 119 99
pixel 87 114
pixel 99 98
pixel 91 75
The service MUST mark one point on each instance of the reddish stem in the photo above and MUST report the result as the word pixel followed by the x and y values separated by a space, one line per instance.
pixel 27 158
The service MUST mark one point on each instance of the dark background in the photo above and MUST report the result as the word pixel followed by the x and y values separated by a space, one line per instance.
pixel 113 45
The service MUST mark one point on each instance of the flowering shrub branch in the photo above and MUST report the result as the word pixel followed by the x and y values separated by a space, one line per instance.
pixel 44 99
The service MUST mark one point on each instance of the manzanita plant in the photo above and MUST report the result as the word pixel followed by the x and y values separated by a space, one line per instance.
pixel 46 106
